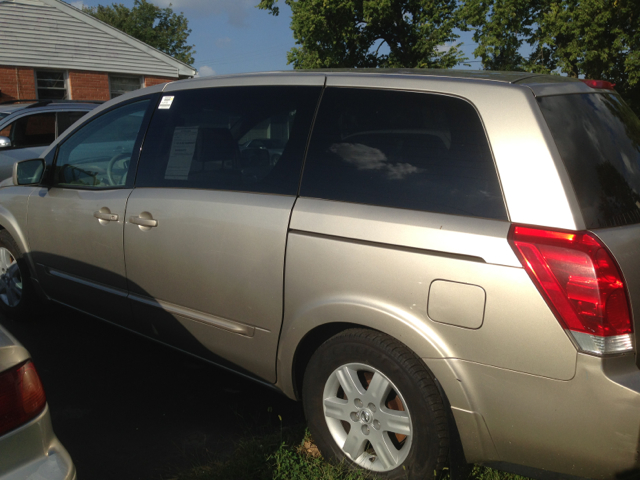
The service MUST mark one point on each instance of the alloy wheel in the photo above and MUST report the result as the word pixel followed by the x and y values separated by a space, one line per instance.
pixel 10 279
pixel 367 417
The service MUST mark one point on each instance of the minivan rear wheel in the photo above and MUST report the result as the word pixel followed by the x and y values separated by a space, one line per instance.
pixel 16 291
pixel 371 403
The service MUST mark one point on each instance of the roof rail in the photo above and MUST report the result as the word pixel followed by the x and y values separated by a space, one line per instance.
pixel 10 102
pixel 42 103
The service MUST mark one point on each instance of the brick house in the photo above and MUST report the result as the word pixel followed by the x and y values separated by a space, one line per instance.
pixel 51 50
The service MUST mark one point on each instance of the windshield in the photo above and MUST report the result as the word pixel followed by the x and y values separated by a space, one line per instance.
pixel 598 137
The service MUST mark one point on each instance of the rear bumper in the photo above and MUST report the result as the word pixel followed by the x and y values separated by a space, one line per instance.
pixel 33 451
pixel 588 426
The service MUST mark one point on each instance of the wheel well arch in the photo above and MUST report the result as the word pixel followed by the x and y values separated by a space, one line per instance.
pixel 9 223
pixel 307 326
pixel 310 343
pixel 316 337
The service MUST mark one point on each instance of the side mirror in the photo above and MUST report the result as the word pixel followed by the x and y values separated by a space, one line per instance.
pixel 5 142
pixel 28 172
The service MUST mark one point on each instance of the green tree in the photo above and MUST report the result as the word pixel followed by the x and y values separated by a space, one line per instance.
pixel 598 39
pixel 372 33
pixel 158 27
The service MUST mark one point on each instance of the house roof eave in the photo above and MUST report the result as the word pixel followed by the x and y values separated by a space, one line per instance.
pixel 182 69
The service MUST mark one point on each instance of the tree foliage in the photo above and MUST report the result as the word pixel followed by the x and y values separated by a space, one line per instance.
pixel 158 27
pixel 372 33
pixel 597 39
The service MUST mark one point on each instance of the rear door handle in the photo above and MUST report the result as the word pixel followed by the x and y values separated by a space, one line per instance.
pixel 143 222
pixel 109 217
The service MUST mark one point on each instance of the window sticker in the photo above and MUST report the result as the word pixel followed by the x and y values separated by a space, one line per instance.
pixel 165 103
pixel 182 147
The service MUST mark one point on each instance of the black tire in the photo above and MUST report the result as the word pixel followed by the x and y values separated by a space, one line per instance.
pixel 17 294
pixel 412 388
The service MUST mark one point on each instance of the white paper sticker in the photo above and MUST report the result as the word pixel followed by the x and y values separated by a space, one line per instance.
pixel 165 103
pixel 182 147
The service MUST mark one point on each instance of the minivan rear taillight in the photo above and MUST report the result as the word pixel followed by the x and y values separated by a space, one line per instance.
pixel 21 396
pixel 599 84
pixel 580 281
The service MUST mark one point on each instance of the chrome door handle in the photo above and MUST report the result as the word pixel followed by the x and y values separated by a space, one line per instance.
pixel 109 217
pixel 143 222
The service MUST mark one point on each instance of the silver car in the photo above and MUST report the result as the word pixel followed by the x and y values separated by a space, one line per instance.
pixel 26 130
pixel 29 450
pixel 443 266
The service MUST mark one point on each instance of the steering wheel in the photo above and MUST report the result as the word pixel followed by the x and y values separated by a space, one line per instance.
pixel 112 162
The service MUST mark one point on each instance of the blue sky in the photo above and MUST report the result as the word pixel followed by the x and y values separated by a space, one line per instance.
pixel 233 36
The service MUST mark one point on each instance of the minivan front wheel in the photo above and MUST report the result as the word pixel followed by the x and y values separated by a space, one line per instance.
pixel 15 287
pixel 372 403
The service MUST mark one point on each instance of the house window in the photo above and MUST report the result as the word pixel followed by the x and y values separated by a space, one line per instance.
pixel 51 85
pixel 122 84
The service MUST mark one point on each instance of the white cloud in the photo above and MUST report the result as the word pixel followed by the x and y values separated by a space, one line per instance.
pixel 444 48
pixel 206 71
pixel 79 4
pixel 364 157
pixel 236 10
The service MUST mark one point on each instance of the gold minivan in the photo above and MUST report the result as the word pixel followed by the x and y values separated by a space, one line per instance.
pixel 444 266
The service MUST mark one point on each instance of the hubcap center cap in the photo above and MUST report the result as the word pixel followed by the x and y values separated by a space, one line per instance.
pixel 366 416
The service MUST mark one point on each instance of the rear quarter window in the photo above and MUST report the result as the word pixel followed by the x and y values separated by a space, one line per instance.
pixel 403 150
pixel 598 137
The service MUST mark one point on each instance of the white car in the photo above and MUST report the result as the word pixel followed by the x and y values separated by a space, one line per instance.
pixel 29 448
pixel 27 130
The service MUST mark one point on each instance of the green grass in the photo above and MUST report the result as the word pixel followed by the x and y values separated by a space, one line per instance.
pixel 290 455
pixel 274 456
pixel 485 473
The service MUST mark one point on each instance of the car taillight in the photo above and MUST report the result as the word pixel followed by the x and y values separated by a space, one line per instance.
pixel 21 396
pixel 582 284
pixel 602 84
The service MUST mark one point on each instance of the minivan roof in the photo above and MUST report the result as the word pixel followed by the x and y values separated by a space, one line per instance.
pixel 492 75
pixel 532 80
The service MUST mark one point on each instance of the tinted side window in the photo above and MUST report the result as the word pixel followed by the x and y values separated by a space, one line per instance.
pixel 235 138
pixel 6 131
pixel 598 137
pixel 66 119
pixel 405 150
pixel 99 154
pixel 34 130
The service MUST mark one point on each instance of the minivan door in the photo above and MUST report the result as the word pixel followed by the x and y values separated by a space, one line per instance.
pixel 206 225
pixel 76 222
